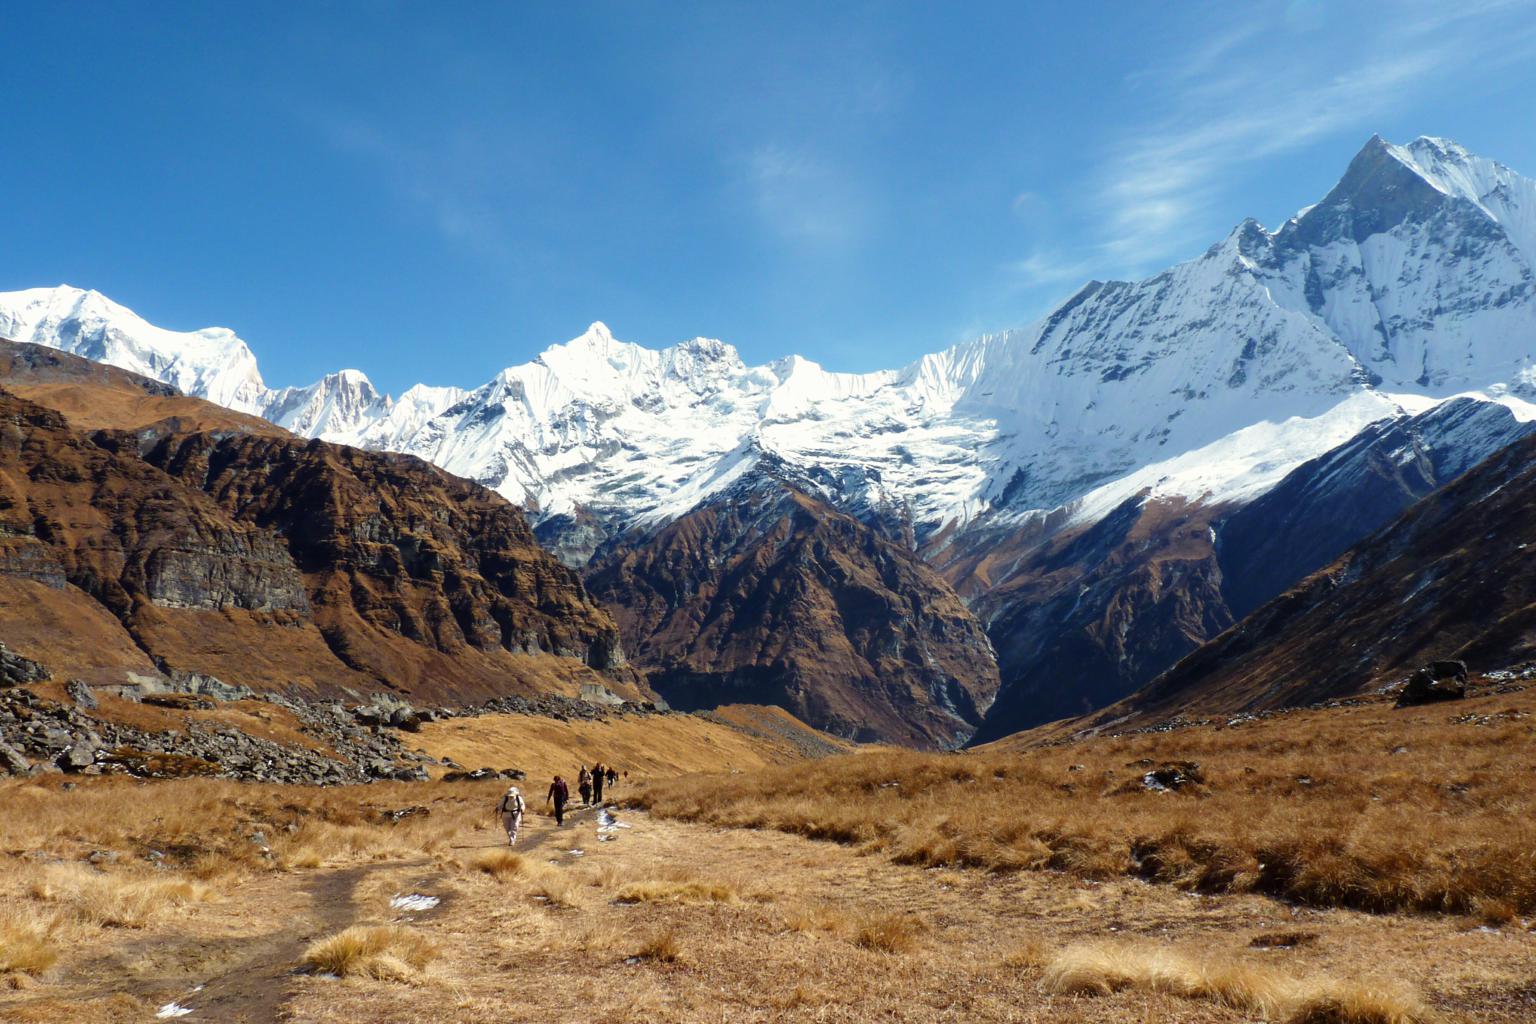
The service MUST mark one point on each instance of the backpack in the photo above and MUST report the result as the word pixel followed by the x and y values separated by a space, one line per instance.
pixel 517 803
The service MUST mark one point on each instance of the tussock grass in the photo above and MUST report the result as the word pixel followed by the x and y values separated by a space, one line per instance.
pixel 874 930
pixel 1101 969
pixel 29 940
pixel 1314 807
pixel 503 864
pixel 887 933
pixel 213 828
pixel 383 952
pixel 661 946
pixel 114 900
pixel 660 891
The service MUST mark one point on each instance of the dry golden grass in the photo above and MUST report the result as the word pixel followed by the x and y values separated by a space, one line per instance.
pixel 1102 969
pixel 646 747
pixel 211 829
pixel 661 946
pixel 113 899
pixel 29 939
pixel 662 891
pixel 887 933
pixel 1370 807
pixel 383 952
pixel 502 864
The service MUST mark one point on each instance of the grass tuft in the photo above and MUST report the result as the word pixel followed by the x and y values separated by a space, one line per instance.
pixel 386 953
pixel 1102 969
pixel 662 947
pixel 28 941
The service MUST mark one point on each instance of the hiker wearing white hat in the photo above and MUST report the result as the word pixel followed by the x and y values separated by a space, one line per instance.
pixel 511 808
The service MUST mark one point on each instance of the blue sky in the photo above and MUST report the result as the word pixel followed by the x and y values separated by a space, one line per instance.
pixel 431 192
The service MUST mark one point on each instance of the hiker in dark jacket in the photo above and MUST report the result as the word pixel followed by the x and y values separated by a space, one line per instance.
pixel 584 786
pixel 613 777
pixel 559 793
pixel 597 783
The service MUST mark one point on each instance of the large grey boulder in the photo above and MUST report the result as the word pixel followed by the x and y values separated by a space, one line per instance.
pixel 12 761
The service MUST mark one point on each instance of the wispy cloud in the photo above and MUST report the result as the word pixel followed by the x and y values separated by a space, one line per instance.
pixel 802 197
pixel 1251 92
pixel 1048 268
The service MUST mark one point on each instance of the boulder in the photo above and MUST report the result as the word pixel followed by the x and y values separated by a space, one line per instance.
pixel 81 694
pixel 12 761
pixel 405 718
pixel 15 670
pixel 1173 775
pixel 79 756
pixel 1435 682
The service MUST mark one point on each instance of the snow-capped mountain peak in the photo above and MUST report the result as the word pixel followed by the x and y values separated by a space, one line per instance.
pixel 212 363
pixel 1411 280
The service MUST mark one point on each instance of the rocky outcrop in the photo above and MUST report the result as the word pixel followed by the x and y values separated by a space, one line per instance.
pixel 262 562
pixel 1433 683
pixel 769 596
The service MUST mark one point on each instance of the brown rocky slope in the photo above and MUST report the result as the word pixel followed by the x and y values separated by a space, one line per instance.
pixel 1453 577
pixel 197 542
pixel 765 595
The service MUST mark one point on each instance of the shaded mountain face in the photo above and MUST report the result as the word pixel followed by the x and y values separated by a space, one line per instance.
pixel 1081 617
pixel 769 596
pixel 269 560
pixel 1451 578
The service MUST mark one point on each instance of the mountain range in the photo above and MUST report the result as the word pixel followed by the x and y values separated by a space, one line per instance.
pixel 1047 518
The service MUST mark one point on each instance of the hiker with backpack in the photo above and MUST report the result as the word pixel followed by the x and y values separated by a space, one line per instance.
pixel 559 793
pixel 584 786
pixel 511 808
pixel 597 783
pixel 613 777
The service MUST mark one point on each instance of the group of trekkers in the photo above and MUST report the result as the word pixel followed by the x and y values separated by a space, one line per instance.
pixel 589 783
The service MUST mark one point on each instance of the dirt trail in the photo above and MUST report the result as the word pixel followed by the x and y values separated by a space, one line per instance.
pixel 239 979
pixel 254 991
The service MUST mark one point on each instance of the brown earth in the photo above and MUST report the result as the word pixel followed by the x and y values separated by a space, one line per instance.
pixel 266 560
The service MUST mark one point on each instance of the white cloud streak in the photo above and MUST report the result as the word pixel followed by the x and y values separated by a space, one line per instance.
pixel 1245 95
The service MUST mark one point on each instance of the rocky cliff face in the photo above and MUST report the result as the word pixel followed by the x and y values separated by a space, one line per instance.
pixel 274 562
pixel 771 596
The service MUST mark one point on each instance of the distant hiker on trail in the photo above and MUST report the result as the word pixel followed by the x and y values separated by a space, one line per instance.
pixel 597 783
pixel 511 808
pixel 613 776
pixel 584 786
pixel 559 793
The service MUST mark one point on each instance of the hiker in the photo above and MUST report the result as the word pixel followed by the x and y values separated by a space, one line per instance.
pixel 584 786
pixel 597 784
pixel 559 793
pixel 511 808
pixel 613 777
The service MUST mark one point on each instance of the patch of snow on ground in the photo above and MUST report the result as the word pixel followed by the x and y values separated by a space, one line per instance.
pixel 173 1010
pixel 414 903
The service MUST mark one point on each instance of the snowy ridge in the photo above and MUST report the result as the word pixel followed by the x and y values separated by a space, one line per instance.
pixel 1409 283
